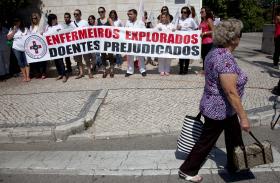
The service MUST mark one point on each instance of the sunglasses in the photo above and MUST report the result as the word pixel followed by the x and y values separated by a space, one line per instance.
pixel 164 9
pixel 34 18
pixel 184 12
pixel 76 14
pixel 101 12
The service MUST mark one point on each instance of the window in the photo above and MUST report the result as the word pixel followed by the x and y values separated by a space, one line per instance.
pixel 180 1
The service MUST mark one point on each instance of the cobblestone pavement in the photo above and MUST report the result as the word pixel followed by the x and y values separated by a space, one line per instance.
pixel 48 109
pixel 133 105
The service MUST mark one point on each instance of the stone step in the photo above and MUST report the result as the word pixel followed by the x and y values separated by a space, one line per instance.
pixel 119 163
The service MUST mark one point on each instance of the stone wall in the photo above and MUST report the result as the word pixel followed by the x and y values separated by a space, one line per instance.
pixel 89 7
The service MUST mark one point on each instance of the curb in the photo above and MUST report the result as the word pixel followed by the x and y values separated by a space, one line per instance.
pixel 57 133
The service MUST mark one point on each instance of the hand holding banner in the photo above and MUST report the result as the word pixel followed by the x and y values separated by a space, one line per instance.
pixel 117 40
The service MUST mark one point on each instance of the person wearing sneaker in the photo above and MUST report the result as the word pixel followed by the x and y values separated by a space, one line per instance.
pixel 54 27
pixel 221 103
pixel 276 39
pixel 133 22
pixel 78 22
pixel 166 26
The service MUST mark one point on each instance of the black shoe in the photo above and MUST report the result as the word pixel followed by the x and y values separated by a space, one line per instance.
pixel 127 75
pixel 181 73
pixel 144 74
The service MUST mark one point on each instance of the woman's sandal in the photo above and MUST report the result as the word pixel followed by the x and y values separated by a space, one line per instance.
pixel 195 178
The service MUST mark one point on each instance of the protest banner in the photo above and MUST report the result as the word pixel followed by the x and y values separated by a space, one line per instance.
pixel 117 40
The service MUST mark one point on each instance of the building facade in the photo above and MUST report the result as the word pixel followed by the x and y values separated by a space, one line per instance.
pixel 89 7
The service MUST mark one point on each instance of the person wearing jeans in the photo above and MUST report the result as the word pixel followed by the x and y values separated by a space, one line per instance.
pixel 54 27
pixel 17 33
pixel 60 67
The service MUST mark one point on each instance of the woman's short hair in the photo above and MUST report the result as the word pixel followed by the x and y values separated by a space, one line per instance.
pixel 226 32
pixel 51 17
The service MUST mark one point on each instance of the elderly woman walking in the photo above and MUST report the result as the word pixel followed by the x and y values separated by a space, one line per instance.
pixel 221 101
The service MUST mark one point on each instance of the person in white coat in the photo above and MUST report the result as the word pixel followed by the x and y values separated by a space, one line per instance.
pixel 134 23
pixel 166 26
pixel 37 68
pixel 186 23
pixel 78 22
pixel 54 27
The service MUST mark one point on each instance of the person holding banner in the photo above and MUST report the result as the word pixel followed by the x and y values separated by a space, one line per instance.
pixel 54 27
pixel 149 25
pixel 103 21
pixel 117 23
pixel 17 34
pixel 90 57
pixel 78 22
pixel 186 23
pixel 165 9
pixel 134 23
pixel 68 25
pixel 164 25
pixel 40 67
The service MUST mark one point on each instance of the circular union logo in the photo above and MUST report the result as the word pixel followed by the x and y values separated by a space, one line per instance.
pixel 35 47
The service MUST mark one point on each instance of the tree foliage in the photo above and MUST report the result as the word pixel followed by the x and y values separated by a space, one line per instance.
pixel 18 8
pixel 253 13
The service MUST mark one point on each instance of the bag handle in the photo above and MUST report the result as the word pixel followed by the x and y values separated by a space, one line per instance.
pixel 198 116
pixel 258 143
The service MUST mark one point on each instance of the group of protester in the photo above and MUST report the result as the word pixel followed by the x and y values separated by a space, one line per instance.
pixel 225 81
pixel 106 62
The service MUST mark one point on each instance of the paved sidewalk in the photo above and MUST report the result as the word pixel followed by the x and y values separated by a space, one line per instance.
pixel 121 163
pixel 121 107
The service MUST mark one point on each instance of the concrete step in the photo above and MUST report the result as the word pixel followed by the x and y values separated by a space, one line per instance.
pixel 117 163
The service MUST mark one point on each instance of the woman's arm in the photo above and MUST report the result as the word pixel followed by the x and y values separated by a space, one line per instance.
pixel 211 27
pixel 11 34
pixel 228 83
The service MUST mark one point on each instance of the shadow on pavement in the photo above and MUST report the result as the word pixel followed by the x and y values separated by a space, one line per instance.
pixel 241 176
pixel 220 157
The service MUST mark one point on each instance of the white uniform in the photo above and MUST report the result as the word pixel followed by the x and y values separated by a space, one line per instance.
pixel 68 26
pixel 19 39
pixel 53 29
pixel 81 23
pixel 187 24
pixel 164 63
pixel 131 58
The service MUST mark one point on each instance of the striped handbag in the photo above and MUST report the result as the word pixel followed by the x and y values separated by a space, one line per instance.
pixel 191 130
